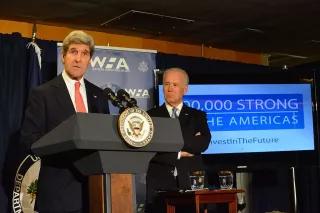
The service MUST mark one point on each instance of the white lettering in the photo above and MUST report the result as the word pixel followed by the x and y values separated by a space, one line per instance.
pixel 112 65
pixel 122 64
pixel 138 93
pixel 111 61
pixel 145 93
pixel 19 176
pixel 268 104
pixel 97 60
pixel 16 203
pixel 34 158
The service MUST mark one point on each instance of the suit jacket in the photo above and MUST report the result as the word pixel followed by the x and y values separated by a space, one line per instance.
pixel 161 167
pixel 60 186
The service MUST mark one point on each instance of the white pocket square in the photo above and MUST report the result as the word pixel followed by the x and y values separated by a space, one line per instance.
pixel 197 134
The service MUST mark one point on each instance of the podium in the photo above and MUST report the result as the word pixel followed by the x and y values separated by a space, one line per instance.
pixel 91 142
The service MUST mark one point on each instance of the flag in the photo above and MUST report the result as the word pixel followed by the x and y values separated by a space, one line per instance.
pixel 34 66
pixel 26 177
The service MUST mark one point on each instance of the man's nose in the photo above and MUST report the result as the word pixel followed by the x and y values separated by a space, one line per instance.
pixel 78 57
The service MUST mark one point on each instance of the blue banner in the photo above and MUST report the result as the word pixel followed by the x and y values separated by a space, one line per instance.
pixel 245 118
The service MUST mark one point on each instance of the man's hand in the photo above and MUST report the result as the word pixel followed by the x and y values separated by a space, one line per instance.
pixel 185 154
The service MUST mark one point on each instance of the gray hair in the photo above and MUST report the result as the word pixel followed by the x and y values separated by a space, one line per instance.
pixel 180 70
pixel 77 37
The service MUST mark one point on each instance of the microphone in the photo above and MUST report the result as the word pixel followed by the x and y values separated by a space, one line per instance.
pixel 124 96
pixel 113 98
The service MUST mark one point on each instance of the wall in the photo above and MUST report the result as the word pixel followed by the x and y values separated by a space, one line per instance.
pixel 57 33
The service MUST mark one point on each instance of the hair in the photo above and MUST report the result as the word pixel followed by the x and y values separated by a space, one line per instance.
pixel 77 37
pixel 180 70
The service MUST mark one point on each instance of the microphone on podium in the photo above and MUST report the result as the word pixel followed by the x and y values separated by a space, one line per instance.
pixel 125 97
pixel 114 99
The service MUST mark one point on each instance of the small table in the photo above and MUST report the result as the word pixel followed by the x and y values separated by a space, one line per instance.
pixel 199 197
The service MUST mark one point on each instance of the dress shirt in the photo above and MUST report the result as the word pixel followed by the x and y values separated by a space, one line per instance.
pixel 169 108
pixel 179 107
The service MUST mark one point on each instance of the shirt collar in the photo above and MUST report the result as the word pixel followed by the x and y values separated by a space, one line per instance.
pixel 70 81
pixel 179 107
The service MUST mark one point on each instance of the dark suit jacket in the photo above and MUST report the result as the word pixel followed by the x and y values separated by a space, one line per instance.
pixel 60 189
pixel 161 167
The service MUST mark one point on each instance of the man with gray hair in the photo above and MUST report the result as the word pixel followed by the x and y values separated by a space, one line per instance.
pixel 170 171
pixel 63 189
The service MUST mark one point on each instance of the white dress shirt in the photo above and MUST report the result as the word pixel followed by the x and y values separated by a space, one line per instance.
pixel 169 108
pixel 179 107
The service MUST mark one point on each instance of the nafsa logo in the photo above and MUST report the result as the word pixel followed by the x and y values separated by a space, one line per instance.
pixel 138 93
pixel 112 64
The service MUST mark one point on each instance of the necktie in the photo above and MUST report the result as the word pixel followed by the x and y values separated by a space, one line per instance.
pixel 80 107
pixel 174 113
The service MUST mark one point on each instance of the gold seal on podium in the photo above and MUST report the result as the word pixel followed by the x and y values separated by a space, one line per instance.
pixel 135 127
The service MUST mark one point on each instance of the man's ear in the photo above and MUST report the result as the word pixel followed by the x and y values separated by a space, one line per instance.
pixel 185 89
pixel 62 58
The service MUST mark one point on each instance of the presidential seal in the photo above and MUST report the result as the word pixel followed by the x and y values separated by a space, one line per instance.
pixel 135 127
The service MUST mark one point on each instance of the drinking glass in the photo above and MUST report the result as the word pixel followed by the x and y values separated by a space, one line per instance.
pixel 225 179
pixel 197 180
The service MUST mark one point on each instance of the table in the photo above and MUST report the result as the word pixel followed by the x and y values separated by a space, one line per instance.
pixel 199 197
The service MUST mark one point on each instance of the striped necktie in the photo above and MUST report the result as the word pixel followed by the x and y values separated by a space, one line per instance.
pixel 80 107
pixel 174 113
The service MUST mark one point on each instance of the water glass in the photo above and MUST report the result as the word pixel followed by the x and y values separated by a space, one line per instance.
pixel 226 179
pixel 197 180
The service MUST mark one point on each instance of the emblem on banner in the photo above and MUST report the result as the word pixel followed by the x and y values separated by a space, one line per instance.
pixel 143 66
pixel 25 185
pixel 135 127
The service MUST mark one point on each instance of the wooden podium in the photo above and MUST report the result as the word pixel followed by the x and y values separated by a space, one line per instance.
pixel 98 152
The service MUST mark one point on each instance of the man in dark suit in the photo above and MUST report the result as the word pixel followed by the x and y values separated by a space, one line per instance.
pixel 170 171
pixel 60 187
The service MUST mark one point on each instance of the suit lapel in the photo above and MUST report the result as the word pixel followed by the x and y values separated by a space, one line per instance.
pixel 92 97
pixel 184 114
pixel 62 95
pixel 163 112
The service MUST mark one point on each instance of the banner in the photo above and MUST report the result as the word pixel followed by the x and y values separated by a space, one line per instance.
pixel 129 69
pixel 245 118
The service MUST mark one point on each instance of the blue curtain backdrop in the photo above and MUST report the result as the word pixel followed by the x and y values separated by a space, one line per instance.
pixel 18 73
pixel 13 73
